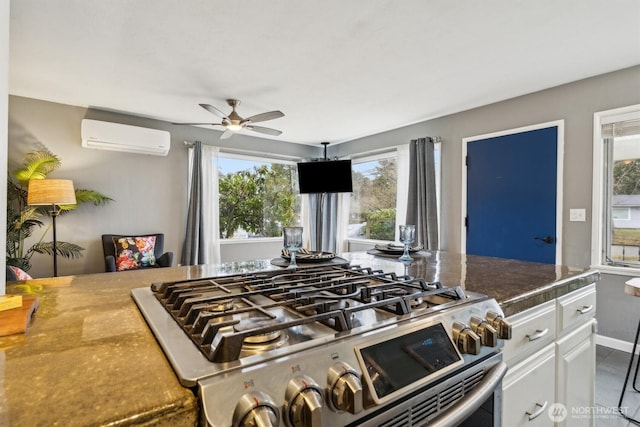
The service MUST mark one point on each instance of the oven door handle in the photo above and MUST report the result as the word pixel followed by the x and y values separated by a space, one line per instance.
pixel 466 406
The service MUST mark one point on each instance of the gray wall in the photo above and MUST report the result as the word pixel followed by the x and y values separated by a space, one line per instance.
pixel 575 103
pixel 149 192
pixel 617 313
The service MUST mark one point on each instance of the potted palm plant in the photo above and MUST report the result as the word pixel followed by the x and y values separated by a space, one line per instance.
pixel 24 220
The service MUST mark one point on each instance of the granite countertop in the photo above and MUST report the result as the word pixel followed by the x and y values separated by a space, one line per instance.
pixel 516 285
pixel 89 358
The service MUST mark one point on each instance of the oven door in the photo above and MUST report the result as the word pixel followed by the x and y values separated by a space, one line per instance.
pixel 469 397
pixel 480 408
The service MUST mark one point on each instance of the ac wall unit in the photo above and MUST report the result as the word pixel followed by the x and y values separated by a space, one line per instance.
pixel 130 139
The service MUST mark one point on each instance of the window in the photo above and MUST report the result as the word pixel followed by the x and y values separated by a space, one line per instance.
pixel 617 188
pixel 380 190
pixel 372 213
pixel 258 196
pixel 620 214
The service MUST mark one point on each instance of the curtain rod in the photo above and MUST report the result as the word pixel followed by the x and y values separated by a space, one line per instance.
pixel 190 144
pixel 248 153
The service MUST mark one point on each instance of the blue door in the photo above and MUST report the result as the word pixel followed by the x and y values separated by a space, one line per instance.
pixel 511 196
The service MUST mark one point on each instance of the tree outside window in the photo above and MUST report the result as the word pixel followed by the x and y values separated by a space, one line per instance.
pixel 373 201
pixel 256 197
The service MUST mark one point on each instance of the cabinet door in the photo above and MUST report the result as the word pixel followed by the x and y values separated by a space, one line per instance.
pixel 532 330
pixel 576 308
pixel 529 390
pixel 576 375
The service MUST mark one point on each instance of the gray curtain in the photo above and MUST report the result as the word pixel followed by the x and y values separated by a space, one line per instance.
pixel 193 250
pixel 323 221
pixel 422 209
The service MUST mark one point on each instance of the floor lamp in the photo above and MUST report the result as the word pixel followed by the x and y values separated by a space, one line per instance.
pixel 53 192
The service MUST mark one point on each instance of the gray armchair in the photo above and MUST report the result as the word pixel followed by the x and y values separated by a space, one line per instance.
pixel 162 259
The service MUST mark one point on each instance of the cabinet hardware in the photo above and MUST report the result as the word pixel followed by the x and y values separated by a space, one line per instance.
pixel 585 309
pixel 539 334
pixel 538 412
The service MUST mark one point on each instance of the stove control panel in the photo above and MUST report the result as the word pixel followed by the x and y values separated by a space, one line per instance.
pixel 344 388
pixel 467 341
pixel 256 409
pixel 487 333
pixel 354 377
pixel 303 403
pixel 502 326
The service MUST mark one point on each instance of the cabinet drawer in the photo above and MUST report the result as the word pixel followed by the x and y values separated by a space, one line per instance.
pixel 576 308
pixel 528 390
pixel 531 330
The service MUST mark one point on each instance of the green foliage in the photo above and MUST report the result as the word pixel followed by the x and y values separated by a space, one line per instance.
pixel 36 165
pixel 382 224
pixel 24 220
pixel 65 249
pixel 280 205
pixel 260 201
pixel 374 195
pixel 626 177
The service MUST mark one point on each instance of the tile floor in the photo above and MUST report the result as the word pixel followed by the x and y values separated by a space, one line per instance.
pixel 611 368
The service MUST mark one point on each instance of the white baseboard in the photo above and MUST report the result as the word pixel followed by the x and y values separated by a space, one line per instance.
pixel 616 344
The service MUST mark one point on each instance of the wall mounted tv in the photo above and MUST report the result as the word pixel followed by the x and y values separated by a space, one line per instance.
pixel 325 176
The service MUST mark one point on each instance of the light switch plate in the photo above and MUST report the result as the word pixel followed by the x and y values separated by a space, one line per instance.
pixel 577 214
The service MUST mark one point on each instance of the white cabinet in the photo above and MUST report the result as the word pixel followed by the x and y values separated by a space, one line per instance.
pixel 576 372
pixel 551 360
pixel 576 308
pixel 528 390
pixel 530 331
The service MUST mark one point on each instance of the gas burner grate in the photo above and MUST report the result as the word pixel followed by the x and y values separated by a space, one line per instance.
pixel 220 314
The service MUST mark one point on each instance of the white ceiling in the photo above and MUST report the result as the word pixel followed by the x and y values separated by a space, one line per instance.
pixel 338 69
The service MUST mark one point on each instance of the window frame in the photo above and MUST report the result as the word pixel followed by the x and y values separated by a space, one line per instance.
pixel 599 202
pixel 369 157
pixel 253 157
pixel 402 186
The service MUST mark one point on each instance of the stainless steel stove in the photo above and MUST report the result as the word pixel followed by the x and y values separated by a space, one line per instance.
pixel 331 345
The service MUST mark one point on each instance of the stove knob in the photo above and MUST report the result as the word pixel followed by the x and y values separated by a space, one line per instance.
pixel 500 324
pixel 345 388
pixel 488 334
pixel 256 409
pixel 467 341
pixel 303 403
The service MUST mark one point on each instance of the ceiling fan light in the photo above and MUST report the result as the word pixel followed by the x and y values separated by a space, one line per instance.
pixel 233 127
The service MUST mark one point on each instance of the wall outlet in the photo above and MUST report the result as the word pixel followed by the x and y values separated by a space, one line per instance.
pixel 577 215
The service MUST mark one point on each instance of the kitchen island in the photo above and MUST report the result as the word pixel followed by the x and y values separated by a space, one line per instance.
pixel 90 359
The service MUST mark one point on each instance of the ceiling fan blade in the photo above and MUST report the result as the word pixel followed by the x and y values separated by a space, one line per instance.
pixel 265 116
pixel 214 110
pixel 227 134
pixel 262 129
pixel 199 124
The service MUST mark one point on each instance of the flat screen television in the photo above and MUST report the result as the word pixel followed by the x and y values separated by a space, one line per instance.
pixel 325 176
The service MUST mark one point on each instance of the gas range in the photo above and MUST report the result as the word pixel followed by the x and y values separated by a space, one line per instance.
pixel 328 345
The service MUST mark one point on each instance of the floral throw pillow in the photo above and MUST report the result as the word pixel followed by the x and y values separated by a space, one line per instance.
pixel 20 274
pixel 134 252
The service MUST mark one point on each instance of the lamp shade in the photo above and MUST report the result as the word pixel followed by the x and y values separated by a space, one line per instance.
pixel 51 192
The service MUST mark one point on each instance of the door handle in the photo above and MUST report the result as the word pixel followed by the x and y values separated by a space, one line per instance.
pixel 546 239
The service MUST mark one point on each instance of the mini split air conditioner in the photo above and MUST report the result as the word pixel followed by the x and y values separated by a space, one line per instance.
pixel 130 139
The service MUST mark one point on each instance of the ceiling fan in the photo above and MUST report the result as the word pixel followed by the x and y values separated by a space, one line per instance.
pixel 233 122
